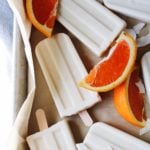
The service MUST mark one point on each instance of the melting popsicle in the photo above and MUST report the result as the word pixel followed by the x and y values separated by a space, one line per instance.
pixel 63 69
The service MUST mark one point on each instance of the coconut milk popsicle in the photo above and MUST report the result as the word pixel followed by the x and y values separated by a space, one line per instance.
pixel 57 137
pixel 63 69
pixel 145 63
pixel 104 137
pixel 138 9
pixel 92 23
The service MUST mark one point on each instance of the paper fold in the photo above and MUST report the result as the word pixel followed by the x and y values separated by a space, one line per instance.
pixel 17 138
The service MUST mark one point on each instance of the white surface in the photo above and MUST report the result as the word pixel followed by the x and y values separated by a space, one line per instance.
pixel 138 9
pixel 106 137
pixel 99 27
pixel 63 71
pixel 57 137
pixel 6 102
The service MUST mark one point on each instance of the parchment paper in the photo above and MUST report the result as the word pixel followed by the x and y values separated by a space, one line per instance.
pixel 17 138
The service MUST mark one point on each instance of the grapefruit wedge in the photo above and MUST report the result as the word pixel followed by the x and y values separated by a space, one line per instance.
pixel 113 69
pixel 129 101
pixel 42 14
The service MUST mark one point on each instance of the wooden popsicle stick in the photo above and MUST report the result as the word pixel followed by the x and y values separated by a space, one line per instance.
pixel 86 118
pixel 41 119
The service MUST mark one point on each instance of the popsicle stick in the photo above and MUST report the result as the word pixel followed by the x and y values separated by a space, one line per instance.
pixel 41 119
pixel 86 118
pixel 82 146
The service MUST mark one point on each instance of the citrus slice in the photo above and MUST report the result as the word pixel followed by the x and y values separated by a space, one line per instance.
pixel 129 101
pixel 42 13
pixel 114 69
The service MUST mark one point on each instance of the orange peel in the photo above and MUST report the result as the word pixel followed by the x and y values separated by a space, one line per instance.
pixel 42 14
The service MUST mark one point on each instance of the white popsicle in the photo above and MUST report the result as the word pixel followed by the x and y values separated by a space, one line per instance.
pixel 63 69
pixel 146 73
pixel 104 137
pixel 90 22
pixel 57 137
pixel 146 77
pixel 139 9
